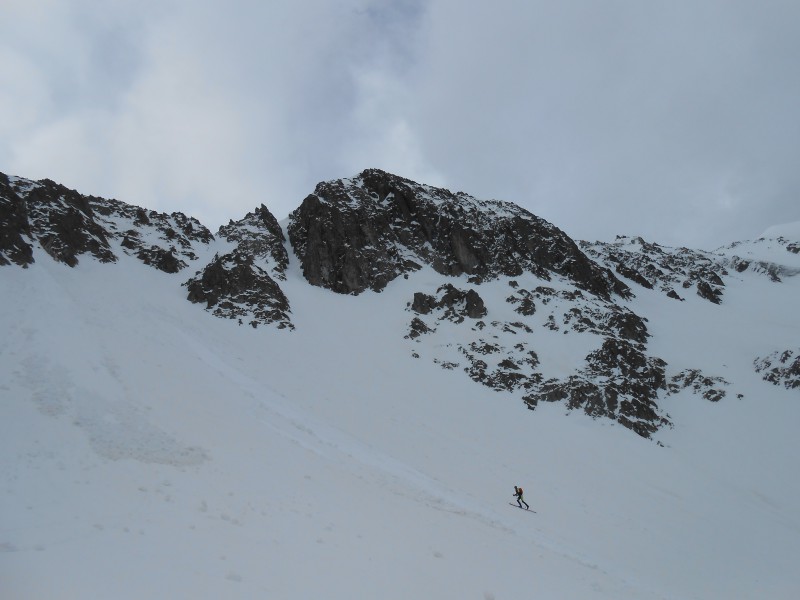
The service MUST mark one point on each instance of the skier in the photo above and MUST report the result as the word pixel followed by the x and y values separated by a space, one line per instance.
pixel 520 499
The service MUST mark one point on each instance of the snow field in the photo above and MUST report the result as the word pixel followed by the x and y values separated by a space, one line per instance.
pixel 151 450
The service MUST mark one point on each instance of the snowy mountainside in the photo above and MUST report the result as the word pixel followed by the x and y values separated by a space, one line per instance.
pixel 359 234
pixel 774 256
pixel 776 251
pixel 368 447
pixel 789 231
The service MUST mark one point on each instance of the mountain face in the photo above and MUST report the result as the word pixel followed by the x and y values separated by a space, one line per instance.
pixel 67 225
pixel 357 234
pixel 502 295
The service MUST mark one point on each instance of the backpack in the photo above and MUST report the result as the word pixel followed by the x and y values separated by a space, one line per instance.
pixel 519 491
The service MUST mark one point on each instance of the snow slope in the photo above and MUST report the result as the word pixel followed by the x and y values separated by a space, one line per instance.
pixel 150 450
pixel 786 230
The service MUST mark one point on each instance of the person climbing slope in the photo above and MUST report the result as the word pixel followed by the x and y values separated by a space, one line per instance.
pixel 520 499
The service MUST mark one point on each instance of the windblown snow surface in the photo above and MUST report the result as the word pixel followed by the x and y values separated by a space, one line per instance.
pixel 150 450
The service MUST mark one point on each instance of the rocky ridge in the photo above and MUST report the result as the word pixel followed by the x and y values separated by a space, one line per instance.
pixel 678 271
pixel 665 269
pixel 68 225
pixel 519 308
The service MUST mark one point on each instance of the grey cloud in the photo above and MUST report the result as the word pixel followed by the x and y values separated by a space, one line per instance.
pixel 676 121
pixel 619 117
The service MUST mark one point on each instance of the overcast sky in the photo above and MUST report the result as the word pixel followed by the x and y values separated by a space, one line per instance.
pixel 677 120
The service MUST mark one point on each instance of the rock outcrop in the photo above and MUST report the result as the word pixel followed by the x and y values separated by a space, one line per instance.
pixel 68 225
pixel 61 221
pixel 669 269
pixel 619 382
pixel 662 268
pixel 357 234
pixel 618 379
pixel 15 228
pixel 233 287
pixel 259 235
pixel 454 304
pixel 243 284
pixel 781 367
pixel 710 388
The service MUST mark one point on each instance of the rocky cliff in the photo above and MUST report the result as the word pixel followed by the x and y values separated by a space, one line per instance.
pixel 357 234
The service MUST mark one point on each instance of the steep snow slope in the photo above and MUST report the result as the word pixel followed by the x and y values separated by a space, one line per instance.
pixel 152 450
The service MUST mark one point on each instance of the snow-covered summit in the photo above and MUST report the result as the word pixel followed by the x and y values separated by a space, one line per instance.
pixel 776 252
pixel 789 231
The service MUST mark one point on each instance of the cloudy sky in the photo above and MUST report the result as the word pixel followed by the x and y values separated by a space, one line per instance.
pixel 677 120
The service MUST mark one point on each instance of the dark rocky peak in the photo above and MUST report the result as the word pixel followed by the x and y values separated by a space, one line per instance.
pixel 241 284
pixel 66 225
pixel 361 233
pixel 259 235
